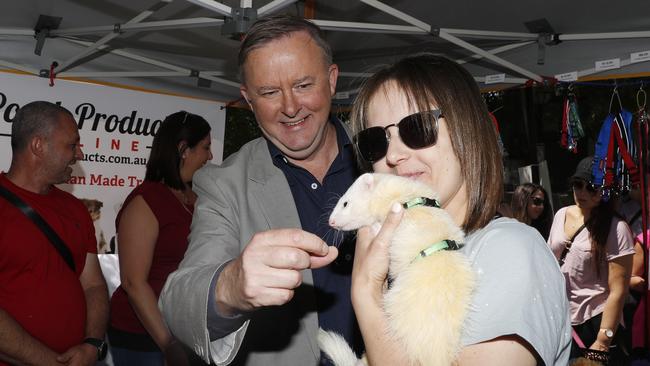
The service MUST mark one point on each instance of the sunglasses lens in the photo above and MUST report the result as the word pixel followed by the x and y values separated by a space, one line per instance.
pixel 538 201
pixel 579 185
pixel 372 144
pixel 413 131
pixel 591 188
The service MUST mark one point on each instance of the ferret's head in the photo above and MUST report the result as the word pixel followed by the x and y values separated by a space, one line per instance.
pixel 352 211
pixel 370 198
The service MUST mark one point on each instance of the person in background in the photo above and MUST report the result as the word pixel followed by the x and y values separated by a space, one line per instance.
pixel 152 229
pixel 595 249
pixel 531 205
pixel 51 312
pixel 256 281
pixel 634 309
pixel 424 118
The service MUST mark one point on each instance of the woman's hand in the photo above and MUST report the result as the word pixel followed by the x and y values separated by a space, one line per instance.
pixel 370 269
pixel 599 346
pixel 175 354
pixel 369 276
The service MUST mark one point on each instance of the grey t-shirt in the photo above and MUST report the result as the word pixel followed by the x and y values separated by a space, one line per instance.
pixel 519 290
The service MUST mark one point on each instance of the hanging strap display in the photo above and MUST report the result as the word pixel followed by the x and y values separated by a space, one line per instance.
pixel 615 165
pixel 626 168
pixel 571 126
pixel 601 151
pixel 52 236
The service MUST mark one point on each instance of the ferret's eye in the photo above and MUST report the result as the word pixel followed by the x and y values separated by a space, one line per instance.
pixel 345 204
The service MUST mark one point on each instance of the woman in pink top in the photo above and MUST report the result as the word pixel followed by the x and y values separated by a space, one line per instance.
pixel 597 264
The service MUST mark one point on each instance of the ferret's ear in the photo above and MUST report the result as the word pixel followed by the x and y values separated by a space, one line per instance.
pixel 368 181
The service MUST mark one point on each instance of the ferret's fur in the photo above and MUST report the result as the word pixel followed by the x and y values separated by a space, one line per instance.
pixel 428 298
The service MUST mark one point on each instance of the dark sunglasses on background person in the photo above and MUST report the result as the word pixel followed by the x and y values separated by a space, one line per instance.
pixel 580 184
pixel 537 201
pixel 372 143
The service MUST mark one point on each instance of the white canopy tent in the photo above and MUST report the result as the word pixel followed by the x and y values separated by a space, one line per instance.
pixel 177 45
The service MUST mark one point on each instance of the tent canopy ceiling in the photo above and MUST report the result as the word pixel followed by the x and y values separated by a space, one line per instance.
pixel 180 40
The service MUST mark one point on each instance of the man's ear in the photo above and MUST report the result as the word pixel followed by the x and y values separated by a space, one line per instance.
pixel 244 93
pixel 333 75
pixel 37 146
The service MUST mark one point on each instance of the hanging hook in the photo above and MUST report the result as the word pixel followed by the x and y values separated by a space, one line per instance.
pixel 641 94
pixel 611 101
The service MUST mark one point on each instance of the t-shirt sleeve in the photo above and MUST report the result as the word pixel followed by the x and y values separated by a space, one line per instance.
pixel 519 291
pixel 619 242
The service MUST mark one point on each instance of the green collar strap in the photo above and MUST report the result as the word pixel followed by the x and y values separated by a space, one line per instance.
pixel 436 247
pixel 421 201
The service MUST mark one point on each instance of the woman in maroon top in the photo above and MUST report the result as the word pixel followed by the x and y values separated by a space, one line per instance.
pixel 152 230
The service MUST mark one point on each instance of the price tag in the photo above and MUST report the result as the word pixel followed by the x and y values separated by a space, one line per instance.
pixel 567 76
pixel 613 63
pixel 639 56
pixel 496 78
pixel 342 95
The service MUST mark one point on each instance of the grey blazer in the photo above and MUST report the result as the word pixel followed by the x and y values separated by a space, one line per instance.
pixel 245 195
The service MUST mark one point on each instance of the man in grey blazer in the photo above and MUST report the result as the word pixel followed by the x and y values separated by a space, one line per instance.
pixel 257 280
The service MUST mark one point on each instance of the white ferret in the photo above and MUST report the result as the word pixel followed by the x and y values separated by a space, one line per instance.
pixel 430 291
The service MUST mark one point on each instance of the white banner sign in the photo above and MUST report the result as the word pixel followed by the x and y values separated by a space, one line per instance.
pixel 116 127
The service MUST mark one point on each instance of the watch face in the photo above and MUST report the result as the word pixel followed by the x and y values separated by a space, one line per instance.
pixel 609 333
pixel 101 351
pixel 102 348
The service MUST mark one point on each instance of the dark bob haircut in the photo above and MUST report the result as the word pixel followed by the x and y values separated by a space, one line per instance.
pixel 167 148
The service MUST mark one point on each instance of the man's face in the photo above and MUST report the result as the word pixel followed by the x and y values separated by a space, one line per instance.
pixel 289 86
pixel 62 150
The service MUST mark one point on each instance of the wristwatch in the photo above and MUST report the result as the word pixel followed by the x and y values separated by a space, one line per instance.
pixel 102 347
pixel 608 332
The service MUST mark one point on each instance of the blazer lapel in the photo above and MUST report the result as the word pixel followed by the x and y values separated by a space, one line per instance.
pixel 271 190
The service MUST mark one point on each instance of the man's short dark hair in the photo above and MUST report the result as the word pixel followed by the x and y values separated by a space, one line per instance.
pixel 34 119
pixel 275 27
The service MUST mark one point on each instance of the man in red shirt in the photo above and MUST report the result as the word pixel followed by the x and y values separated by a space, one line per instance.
pixel 50 314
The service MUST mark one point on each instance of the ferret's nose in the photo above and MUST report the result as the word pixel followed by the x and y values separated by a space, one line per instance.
pixel 332 223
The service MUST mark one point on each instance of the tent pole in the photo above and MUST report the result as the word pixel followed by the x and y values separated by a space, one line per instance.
pixel 214 6
pixel 163 65
pixel 93 47
pixel 450 38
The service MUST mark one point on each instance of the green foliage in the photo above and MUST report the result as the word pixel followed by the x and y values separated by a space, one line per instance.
pixel 241 127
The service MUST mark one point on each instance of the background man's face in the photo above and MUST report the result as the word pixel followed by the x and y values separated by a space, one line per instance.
pixel 62 150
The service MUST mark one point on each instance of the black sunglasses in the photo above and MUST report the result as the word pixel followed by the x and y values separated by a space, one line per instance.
pixel 579 184
pixel 372 143
pixel 537 201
